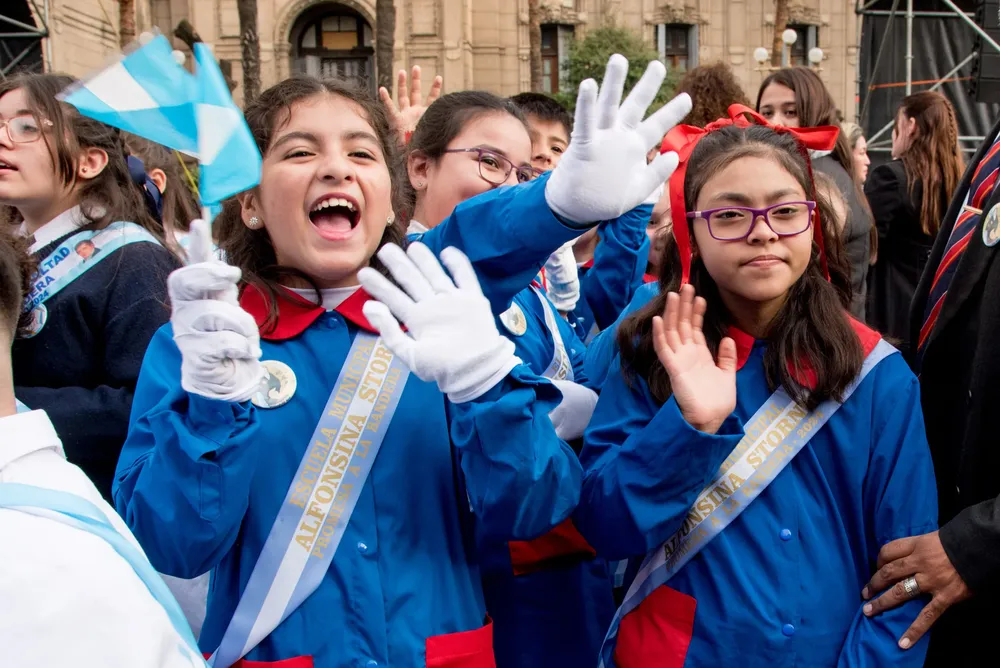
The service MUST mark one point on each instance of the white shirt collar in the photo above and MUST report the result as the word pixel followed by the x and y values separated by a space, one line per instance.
pixel 66 222
pixel 24 433
pixel 415 227
pixel 332 297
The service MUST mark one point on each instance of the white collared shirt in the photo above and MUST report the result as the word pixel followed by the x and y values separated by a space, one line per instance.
pixel 415 227
pixel 66 222
pixel 67 598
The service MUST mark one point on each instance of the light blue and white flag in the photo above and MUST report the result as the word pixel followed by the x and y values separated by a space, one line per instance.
pixel 146 92
pixel 227 153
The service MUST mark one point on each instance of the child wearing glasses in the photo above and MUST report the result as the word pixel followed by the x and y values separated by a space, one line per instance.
pixel 754 446
pixel 550 598
pixel 100 292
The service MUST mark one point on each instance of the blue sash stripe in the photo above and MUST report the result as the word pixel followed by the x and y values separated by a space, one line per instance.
pixel 80 513
pixel 649 579
pixel 270 595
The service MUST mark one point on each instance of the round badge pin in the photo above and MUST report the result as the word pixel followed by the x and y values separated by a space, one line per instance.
pixel 991 227
pixel 37 318
pixel 277 387
pixel 513 319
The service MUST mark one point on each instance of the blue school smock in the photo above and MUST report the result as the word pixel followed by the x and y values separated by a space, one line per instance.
pixel 781 585
pixel 550 598
pixel 608 282
pixel 200 481
pixel 603 348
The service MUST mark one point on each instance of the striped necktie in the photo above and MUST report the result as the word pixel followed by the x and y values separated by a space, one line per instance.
pixel 983 182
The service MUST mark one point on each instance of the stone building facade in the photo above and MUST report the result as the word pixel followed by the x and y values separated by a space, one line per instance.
pixel 471 43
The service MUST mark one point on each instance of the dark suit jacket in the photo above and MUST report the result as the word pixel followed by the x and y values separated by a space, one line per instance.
pixel 855 235
pixel 903 249
pixel 960 388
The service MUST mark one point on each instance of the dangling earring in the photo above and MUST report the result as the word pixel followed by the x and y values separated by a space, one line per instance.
pixel 254 223
pixel 390 219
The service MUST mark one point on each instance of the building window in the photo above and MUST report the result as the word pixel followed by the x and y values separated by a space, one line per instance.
pixel 334 41
pixel 807 38
pixel 555 50
pixel 677 44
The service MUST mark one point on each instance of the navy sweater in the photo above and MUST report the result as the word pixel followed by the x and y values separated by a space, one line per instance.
pixel 82 367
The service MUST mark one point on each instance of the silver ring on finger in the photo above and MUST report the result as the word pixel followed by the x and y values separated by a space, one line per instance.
pixel 911 587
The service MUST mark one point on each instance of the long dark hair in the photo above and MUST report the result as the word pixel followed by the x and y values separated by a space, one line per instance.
pixel 17 267
pixel 810 332
pixel 816 108
pixel 108 197
pixel 933 158
pixel 252 250
pixel 444 120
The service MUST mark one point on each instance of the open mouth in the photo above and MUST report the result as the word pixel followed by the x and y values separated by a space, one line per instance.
pixel 335 217
pixel 6 166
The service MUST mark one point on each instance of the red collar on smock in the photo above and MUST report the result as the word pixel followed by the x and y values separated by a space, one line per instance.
pixel 296 314
pixel 868 338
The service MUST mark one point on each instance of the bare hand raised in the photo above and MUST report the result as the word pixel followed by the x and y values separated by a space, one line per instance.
pixel 411 103
pixel 704 388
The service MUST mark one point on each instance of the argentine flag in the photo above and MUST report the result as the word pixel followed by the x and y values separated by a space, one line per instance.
pixel 227 153
pixel 146 92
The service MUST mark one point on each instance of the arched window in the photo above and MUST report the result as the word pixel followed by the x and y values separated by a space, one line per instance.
pixel 334 40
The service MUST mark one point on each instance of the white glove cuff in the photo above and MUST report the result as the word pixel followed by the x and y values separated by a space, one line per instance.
pixel 474 392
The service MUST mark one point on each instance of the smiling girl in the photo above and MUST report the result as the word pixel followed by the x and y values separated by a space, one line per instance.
pixel 758 445
pixel 101 289
pixel 337 500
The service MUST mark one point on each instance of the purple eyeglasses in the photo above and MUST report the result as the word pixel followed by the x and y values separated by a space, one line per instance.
pixel 495 168
pixel 735 223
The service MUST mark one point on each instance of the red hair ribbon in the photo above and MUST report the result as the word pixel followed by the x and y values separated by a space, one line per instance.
pixel 683 138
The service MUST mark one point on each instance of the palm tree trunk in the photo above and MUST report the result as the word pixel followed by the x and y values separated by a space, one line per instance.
pixel 250 45
pixel 535 45
pixel 780 23
pixel 126 22
pixel 385 41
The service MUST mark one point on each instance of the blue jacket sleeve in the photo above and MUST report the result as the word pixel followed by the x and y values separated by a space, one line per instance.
pixel 619 264
pixel 644 467
pixel 521 478
pixel 602 350
pixel 900 499
pixel 183 479
pixel 508 234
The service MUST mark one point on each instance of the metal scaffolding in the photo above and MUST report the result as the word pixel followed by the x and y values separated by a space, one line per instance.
pixel 19 39
pixel 863 8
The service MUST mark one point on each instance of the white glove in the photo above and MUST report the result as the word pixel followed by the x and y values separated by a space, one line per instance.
pixel 451 337
pixel 562 278
pixel 572 415
pixel 655 196
pixel 604 172
pixel 218 340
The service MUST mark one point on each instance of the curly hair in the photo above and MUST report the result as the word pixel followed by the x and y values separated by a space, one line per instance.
pixel 713 88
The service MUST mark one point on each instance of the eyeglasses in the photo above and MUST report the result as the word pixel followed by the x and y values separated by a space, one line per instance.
pixel 735 223
pixel 25 128
pixel 495 168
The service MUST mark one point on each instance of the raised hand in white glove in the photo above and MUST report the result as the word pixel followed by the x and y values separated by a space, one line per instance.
pixel 604 172
pixel 562 278
pixel 451 337
pixel 218 340
pixel 572 415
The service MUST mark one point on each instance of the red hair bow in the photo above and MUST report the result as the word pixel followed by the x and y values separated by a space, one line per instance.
pixel 683 138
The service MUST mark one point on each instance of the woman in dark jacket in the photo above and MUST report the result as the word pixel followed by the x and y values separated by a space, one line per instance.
pixel 796 97
pixel 908 197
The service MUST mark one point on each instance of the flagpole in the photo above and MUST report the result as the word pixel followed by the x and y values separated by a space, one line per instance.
pixel 206 214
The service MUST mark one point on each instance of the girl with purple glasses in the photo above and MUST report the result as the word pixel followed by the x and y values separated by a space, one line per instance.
pixel 754 447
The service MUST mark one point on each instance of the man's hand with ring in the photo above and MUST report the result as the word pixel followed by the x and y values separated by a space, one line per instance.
pixel 915 566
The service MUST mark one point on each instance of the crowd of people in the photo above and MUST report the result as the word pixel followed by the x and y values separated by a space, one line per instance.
pixel 477 382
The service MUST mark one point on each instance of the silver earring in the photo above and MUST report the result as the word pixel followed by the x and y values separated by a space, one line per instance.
pixel 420 185
pixel 390 219
pixel 254 223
